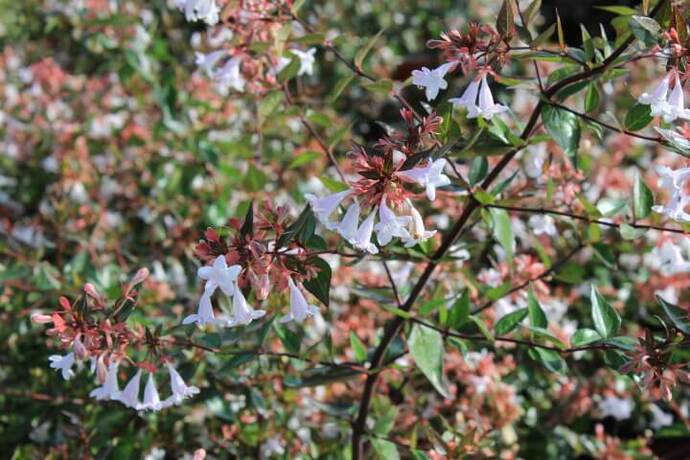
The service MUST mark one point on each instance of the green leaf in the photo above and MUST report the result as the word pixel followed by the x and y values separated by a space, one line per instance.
pixel 426 347
pixel 358 347
pixel 268 106
pixel 510 321
pixel 340 86
pixel 677 315
pixel 289 71
pixel 386 421
pixel 643 200
pixel 255 179
pixel 551 359
pixel 505 22
pixel 563 128
pixel 646 29
pixel 305 158
pixel 460 311
pixel 607 322
pixel 592 98
pixel 291 341
pixel 584 336
pixel 537 317
pixel 478 169
pixel 628 232
pixel 364 51
pixel 383 86
pixel 320 285
pixel 385 450
pixel 321 376
pixel 638 117
pixel 503 231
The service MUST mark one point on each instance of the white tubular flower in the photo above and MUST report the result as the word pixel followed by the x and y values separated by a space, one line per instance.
pixel 230 75
pixel 416 228
pixel 306 61
pixel 180 390
pixel 109 389
pixel 618 408
pixel 669 259
pixel 429 176
pixel 362 239
pixel 299 308
pixel 431 80
pixel 350 223
pixel 676 104
pixel 152 401
pixel 673 182
pixel 63 364
pixel 130 395
pixel 204 314
pixel 242 313
pixel 468 100
pixel 390 225
pixel 207 61
pixel 325 207
pixel 543 225
pixel 487 108
pixel 657 98
pixel 219 275
pixel 200 10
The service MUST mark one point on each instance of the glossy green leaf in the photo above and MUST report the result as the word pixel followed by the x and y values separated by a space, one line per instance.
pixel 426 347
pixel 607 322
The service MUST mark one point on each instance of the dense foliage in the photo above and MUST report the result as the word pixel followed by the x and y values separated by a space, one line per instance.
pixel 318 229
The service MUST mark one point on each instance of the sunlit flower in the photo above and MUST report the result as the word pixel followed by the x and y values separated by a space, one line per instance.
pixel 468 100
pixel 219 275
pixel 109 389
pixel 431 80
pixel 299 308
pixel 390 225
pixel 230 75
pixel 200 10
pixel 63 364
pixel 618 408
pixel 362 239
pixel 676 103
pixel 669 259
pixel 350 223
pixel 204 314
pixel 180 390
pixel 657 98
pixel 416 228
pixel 543 225
pixel 429 176
pixel 486 108
pixel 130 395
pixel 242 313
pixel 207 61
pixel 306 61
pixel 324 207
pixel 673 182
pixel 152 401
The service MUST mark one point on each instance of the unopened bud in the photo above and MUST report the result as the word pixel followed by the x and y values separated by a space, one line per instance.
pixel 91 291
pixel 141 275
pixel 101 369
pixel 41 318
pixel 80 350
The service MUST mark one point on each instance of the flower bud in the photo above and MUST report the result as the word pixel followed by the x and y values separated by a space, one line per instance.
pixel 141 276
pixel 91 291
pixel 41 318
pixel 80 350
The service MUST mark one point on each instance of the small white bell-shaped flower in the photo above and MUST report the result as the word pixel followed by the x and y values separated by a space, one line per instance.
pixel 350 223
pixel 180 390
pixel 390 225
pixel 429 176
pixel 657 98
pixel 152 400
pixel 130 395
pixel 230 75
pixel 324 207
pixel 299 308
pixel 63 364
pixel 416 228
pixel 486 108
pixel 431 80
pixel 468 100
pixel 362 239
pixel 204 314
pixel 219 275
pixel 242 313
pixel 306 61
pixel 109 389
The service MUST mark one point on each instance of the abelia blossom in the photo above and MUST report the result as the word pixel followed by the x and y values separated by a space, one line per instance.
pixel 486 108
pixel 306 61
pixel 670 107
pixel 468 100
pixel 362 239
pixel 230 75
pixel 429 176
pixel 674 183
pixel 657 98
pixel 618 408
pixel 152 400
pixel 669 259
pixel 299 308
pixel 207 61
pixel 130 395
pixel 180 390
pixel 543 225
pixel 676 103
pixel 219 275
pixel 325 207
pixel 242 313
pixel 416 228
pixel 390 225
pixel 200 10
pixel 109 389
pixel 204 314
pixel 431 80
pixel 350 223
pixel 63 364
